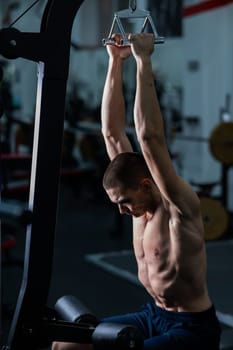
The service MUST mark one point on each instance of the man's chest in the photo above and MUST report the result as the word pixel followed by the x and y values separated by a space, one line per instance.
pixel 151 238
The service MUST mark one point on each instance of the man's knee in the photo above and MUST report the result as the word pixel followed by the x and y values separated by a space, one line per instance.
pixel 63 346
pixel 70 346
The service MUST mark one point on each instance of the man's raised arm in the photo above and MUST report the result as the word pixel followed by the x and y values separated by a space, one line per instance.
pixel 113 104
pixel 150 128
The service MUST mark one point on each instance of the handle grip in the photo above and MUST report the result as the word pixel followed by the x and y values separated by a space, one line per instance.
pixel 126 41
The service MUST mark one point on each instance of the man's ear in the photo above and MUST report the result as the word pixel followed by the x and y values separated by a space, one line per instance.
pixel 145 184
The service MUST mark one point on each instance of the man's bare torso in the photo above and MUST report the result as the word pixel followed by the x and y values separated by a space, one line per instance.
pixel 171 259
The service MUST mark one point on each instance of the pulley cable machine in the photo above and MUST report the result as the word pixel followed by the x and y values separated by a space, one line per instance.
pixel 131 13
pixel 50 48
pixel 34 325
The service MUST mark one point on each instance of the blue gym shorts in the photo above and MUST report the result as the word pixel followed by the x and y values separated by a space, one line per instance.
pixel 171 330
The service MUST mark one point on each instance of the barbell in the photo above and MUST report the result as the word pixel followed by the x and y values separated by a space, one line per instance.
pixel 220 142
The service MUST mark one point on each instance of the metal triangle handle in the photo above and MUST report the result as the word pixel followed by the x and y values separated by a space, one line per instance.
pixel 131 12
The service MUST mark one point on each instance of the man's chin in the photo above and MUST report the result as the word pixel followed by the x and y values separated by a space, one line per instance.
pixel 136 215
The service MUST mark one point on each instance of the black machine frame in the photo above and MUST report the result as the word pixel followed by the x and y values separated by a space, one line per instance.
pixel 34 325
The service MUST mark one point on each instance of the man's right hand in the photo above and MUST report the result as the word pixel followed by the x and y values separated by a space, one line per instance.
pixel 142 45
pixel 118 50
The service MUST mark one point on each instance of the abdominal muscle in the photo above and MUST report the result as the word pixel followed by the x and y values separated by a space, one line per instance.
pixel 175 280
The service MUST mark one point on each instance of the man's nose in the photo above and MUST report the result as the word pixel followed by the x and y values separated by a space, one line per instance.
pixel 122 208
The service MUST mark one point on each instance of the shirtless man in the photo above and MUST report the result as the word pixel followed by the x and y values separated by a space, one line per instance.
pixel 167 224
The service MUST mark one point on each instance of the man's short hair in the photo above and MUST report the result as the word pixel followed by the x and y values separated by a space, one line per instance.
pixel 126 170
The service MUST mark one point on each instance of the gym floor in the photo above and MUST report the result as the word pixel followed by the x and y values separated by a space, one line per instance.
pixel 87 225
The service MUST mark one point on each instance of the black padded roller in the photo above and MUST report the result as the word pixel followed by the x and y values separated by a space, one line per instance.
pixel 71 309
pixel 117 337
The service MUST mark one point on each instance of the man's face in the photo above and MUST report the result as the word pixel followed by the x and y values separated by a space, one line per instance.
pixel 130 202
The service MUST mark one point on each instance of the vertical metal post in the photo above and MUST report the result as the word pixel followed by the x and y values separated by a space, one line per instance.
pixel 51 49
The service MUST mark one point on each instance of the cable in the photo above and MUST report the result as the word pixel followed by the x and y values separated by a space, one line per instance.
pixel 133 5
pixel 22 14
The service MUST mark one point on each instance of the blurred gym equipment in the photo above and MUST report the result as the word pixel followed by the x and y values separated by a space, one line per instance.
pixel 221 143
pixel 34 324
pixel 216 217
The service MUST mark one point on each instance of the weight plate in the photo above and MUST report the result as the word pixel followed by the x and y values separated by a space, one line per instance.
pixel 215 218
pixel 221 143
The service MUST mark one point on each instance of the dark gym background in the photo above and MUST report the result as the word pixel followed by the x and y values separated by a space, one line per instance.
pixel 93 250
